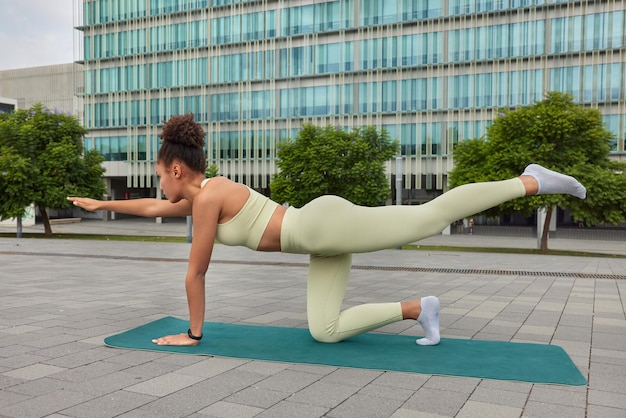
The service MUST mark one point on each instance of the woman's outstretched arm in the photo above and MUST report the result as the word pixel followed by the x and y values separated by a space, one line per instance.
pixel 149 208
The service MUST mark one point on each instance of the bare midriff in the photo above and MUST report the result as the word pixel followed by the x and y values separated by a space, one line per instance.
pixel 270 241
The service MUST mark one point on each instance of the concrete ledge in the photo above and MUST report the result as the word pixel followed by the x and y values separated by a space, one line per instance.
pixel 64 221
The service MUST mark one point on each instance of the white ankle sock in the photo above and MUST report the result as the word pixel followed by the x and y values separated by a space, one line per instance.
pixel 429 320
pixel 551 182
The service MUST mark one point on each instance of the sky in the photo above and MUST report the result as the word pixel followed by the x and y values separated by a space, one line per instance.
pixel 34 33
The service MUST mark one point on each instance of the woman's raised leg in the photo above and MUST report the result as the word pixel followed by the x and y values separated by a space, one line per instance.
pixel 331 225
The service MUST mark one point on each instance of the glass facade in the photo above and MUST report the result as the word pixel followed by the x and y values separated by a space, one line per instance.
pixel 431 72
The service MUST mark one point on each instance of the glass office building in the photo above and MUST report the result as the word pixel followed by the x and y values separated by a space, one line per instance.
pixel 252 71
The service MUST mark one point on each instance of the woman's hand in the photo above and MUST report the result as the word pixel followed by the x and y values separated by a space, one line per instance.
pixel 178 339
pixel 86 203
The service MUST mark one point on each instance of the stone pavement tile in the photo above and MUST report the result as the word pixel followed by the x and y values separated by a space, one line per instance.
pixel 545 305
pixel 269 368
pixel 82 358
pixel 607 377
pixel 353 377
pixel 88 371
pixel 541 330
pixel 182 361
pixel 41 387
pixel 607 399
pixel 519 308
pixel 397 394
pixel 599 355
pixel 257 397
pixel 460 333
pixel 509 386
pixel 474 409
pixel 164 385
pixel 327 395
pixel 8 398
pixel 14 349
pixel 542 410
pixel 544 318
pixel 224 409
pixel 505 330
pixel 110 405
pixel 607 341
pixel 470 324
pixel 359 406
pixel 570 396
pixel 62 349
pixel 44 405
pixel 213 366
pixel 410 381
pixel 607 382
pixel 133 357
pixel 572 333
pixel 197 396
pixel 499 397
pixel 583 321
pixel 6 381
pixel 574 348
pixel 149 370
pixel 290 409
pixel 20 329
pixel 407 413
pixel 595 411
pixel 22 360
pixel 609 325
pixel 34 371
pixel 288 381
pixel 103 385
pixel 583 308
pixel 456 384
pixel 312 368
pixel 435 401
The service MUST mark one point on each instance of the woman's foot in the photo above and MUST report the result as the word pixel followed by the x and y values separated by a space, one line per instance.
pixel 551 182
pixel 429 320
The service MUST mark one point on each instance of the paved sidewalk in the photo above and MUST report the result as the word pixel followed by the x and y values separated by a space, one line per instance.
pixel 60 298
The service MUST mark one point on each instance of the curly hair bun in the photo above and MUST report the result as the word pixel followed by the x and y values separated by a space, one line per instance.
pixel 183 130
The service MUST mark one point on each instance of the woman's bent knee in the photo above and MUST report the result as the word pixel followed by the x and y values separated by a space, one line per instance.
pixel 323 336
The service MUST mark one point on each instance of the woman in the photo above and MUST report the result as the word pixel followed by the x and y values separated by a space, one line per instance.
pixel 329 228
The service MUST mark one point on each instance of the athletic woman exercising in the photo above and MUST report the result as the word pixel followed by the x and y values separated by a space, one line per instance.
pixel 328 228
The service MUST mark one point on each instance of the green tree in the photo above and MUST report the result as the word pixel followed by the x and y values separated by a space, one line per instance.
pixel 14 179
pixel 211 171
pixel 330 160
pixel 43 151
pixel 560 135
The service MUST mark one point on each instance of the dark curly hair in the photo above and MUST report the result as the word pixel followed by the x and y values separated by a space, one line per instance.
pixel 183 140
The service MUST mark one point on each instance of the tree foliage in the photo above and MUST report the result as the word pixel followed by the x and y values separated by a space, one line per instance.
pixel 329 160
pixel 560 135
pixel 211 171
pixel 41 155
pixel 14 178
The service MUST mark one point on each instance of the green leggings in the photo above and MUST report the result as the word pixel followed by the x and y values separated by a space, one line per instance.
pixel 330 229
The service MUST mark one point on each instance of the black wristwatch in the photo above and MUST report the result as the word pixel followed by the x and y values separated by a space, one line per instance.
pixel 193 337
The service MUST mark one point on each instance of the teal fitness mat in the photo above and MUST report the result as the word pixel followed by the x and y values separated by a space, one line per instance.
pixel 535 363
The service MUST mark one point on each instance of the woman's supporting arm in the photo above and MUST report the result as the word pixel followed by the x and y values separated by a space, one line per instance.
pixel 205 220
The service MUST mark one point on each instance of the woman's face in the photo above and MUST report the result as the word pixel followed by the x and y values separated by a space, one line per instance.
pixel 169 182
